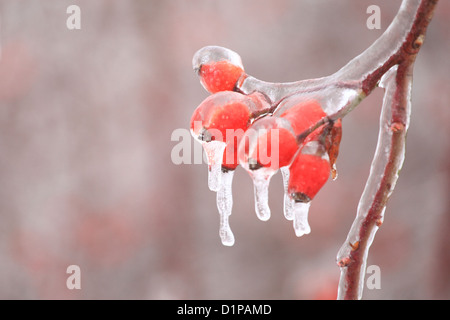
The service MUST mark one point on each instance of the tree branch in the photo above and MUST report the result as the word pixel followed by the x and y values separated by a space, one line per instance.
pixel 389 155
pixel 391 56
pixel 388 160
pixel 388 62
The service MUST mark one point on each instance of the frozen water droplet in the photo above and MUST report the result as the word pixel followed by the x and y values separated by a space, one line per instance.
pixel 288 204
pixel 214 153
pixel 301 225
pixel 334 173
pixel 225 204
pixel 261 180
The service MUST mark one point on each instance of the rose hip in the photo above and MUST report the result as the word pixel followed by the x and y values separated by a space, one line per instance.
pixel 308 172
pixel 225 116
pixel 269 143
pixel 220 76
pixel 219 68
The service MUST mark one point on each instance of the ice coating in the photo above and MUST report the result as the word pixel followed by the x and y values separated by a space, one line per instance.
pixel 340 100
pixel 278 91
pixel 224 205
pixel 261 180
pixel 300 211
pixel 288 204
pixel 214 153
pixel 213 54
pixel 377 172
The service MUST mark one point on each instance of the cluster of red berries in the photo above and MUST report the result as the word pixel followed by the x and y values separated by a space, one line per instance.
pixel 259 135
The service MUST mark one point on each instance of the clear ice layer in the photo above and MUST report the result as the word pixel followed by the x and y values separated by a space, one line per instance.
pixel 214 154
pixel 288 208
pixel 225 205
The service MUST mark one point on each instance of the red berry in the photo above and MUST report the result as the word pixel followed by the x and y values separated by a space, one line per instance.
pixel 220 76
pixel 219 112
pixel 219 68
pixel 303 116
pixel 225 116
pixel 308 174
pixel 269 143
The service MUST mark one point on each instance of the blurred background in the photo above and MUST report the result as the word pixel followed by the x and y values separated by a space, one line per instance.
pixel 86 176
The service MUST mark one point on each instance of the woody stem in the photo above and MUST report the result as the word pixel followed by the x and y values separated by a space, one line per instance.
pixel 397 73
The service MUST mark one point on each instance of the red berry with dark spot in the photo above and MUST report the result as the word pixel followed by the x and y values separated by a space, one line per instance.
pixel 308 172
pixel 225 116
pixel 219 112
pixel 269 143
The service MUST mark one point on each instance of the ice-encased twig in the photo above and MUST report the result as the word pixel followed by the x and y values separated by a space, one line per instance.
pixel 362 73
pixel 387 162
pixel 224 205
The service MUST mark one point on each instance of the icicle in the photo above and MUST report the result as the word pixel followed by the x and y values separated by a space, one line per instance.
pixel 262 209
pixel 214 152
pixel 261 180
pixel 288 204
pixel 224 204
pixel 301 225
